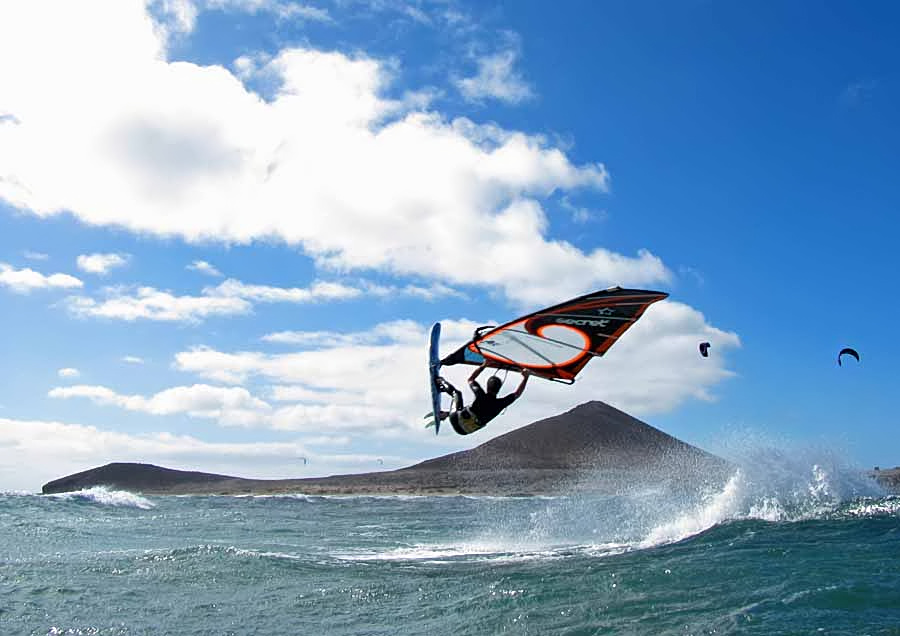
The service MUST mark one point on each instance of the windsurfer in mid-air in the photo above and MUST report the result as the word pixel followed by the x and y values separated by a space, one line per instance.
pixel 557 342
pixel 486 405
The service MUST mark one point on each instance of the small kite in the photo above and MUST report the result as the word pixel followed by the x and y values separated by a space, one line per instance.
pixel 704 349
pixel 848 351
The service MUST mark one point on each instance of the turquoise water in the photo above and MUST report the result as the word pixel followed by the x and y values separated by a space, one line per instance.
pixel 806 552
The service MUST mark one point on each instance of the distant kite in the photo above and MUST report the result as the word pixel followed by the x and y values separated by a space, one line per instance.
pixel 704 349
pixel 848 351
pixel 304 460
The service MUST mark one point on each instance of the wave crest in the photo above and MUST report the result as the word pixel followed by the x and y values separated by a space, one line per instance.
pixel 106 497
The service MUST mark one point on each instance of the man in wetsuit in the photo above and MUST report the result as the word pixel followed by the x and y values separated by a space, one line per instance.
pixel 486 405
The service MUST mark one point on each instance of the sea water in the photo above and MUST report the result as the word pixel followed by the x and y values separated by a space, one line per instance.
pixel 804 549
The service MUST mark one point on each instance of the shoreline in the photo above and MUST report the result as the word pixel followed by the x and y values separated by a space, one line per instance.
pixel 591 448
pixel 541 483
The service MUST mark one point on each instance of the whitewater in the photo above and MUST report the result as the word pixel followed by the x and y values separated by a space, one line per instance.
pixel 786 545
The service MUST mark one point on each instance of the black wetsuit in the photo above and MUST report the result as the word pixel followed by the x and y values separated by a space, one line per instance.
pixel 484 408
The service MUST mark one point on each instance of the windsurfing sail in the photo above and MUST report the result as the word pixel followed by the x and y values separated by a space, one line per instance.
pixel 556 343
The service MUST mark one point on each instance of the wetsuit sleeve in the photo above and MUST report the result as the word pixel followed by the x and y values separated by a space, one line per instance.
pixel 506 400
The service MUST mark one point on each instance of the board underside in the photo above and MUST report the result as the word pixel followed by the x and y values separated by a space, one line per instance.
pixel 434 366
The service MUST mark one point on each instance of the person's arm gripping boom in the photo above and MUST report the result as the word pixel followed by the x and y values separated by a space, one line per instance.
pixel 473 379
pixel 521 387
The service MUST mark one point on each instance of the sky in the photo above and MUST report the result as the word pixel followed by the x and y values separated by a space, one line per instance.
pixel 226 226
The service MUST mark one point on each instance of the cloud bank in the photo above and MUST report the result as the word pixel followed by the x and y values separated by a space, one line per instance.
pixel 54 449
pixel 180 149
pixel 374 382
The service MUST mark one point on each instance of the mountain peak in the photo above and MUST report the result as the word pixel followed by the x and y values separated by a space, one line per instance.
pixel 591 435
pixel 593 444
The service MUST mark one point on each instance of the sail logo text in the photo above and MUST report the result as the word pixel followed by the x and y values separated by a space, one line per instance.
pixel 582 322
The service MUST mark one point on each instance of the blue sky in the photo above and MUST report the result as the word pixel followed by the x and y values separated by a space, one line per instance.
pixel 225 226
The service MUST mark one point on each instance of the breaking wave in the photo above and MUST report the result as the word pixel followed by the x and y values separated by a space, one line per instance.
pixel 766 484
pixel 775 485
pixel 106 497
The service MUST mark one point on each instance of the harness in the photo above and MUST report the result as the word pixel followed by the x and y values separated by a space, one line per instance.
pixel 464 421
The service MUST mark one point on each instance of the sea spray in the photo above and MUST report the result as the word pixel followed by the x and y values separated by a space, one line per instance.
pixel 785 480
pixel 686 496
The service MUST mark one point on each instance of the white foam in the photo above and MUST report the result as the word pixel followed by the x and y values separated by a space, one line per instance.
pixel 868 507
pixel 476 552
pixel 104 496
pixel 246 552
pixel 770 485
pixel 775 486
pixel 719 507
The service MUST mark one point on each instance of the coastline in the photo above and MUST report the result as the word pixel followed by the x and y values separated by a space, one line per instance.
pixel 593 448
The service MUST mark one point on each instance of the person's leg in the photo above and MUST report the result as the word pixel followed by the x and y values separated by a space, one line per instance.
pixel 457 404
pixel 455 423
pixel 456 396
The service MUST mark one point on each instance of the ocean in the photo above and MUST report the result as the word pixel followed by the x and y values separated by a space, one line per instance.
pixel 801 550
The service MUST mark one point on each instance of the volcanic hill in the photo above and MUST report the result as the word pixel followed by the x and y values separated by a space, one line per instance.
pixel 593 447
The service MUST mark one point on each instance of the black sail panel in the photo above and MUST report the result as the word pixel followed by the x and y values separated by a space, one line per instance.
pixel 557 342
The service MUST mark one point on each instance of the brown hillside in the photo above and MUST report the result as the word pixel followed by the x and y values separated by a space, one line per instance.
pixel 592 435
pixel 593 446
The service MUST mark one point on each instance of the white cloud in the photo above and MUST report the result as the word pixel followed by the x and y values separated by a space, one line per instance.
pixel 100 263
pixel 406 331
pixel 235 406
pixel 380 377
pixel 267 294
pixel 204 268
pixel 25 280
pixel 231 297
pixel 297 393
pixel 282 9
pixel 221 367
pixel 148 303
pixel 581 214
pixel 496 79
pixel 325 291
pixel 55 449
pixel 132 360
pixel 179 149
pixel 177 16
pixel 431 292
pixel 697 275
pixel 231 406
pixel 35 256
pixel 68 372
